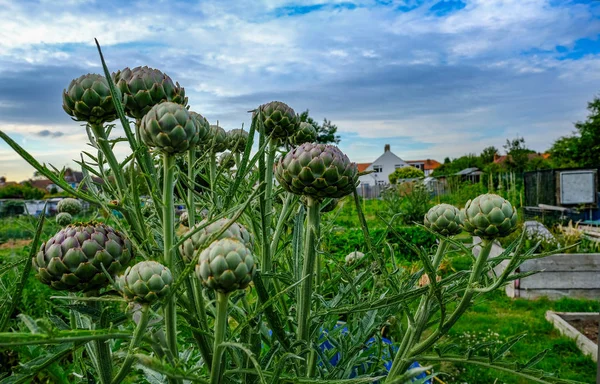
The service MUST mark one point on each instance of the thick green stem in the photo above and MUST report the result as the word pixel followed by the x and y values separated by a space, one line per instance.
pixel 168 237
pixel 213 176
pixel 216 373
pixel 308 270
pixel 401 363
pixel 191 206
pixel 138 333
pixel 283 218
pixel 267 261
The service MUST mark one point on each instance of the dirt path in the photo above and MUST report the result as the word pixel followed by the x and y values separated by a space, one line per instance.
pixel 15 243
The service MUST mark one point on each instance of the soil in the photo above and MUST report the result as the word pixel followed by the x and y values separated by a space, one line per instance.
pixel 15 243
pixel 589 327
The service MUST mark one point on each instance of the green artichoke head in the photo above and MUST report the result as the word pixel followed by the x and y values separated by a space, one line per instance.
pixel 73 259
pixel 226 265
pixel 144 87
pixel 237 140
pixel 200 237
pixel 64 218
pixel 444 219
pixel 218 140
pixel 88 98
pixel 170 128
pixel 69 205
pixel 203 128
pixel 306 133
pixel 489 216
pixel 279 120
pixel 146 282
pixel 318 171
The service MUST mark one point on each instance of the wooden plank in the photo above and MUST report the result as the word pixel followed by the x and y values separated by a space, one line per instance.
pixel 555 294
pixel 561 280
pixel 586 345
pixel 589 262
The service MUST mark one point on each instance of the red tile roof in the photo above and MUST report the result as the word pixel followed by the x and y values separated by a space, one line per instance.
pixel 363 166
pixel 428 164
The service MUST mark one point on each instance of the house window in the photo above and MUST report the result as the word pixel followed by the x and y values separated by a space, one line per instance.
pixel 380 182
pixel 378 168
pixel 398 166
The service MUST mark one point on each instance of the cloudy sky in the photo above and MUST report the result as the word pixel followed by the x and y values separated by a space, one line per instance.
pixel 431 78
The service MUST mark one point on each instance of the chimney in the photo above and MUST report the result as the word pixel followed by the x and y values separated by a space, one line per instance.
pixel 386 148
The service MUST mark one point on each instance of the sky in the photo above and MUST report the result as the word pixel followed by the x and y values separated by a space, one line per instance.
pixel 433 79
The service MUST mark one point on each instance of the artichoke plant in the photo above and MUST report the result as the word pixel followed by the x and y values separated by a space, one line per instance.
pixel 489 216
pixel 170 128
pixel 219 141
pixel 226 265
pixel 184 219
pixel 88 99
pixel 74 258
pixel 443 219
pixel 236 231
pixel 69 205
pixel 237 140
pixel 306 133
pixel 318 171
pixel 203 127
pixel 146 282
pixel 64 218
pixel 144 87
pixel 279 120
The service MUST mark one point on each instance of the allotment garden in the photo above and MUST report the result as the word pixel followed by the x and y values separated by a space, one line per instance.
pixel 276 271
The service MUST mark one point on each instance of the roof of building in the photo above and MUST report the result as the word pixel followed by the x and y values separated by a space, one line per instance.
pixel 428 164
pixel 502 159
pixel 362 166
pixel 40 183
pixel 469 171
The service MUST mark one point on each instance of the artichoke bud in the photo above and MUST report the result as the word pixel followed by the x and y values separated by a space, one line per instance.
pixel 74 258
pixel 146 282
pixel 279 120
pixel 489 216
pixel 69 205
pixel 318 171
pixel 203 127
pixel 170 128
pixel 444 219
pixel 237 140
pixel 306 133
pixel 88 98
pixel 226 265
pixel 199 237
pixel 144 87
pixel 353 257
pixel 218 139
pixel 64 218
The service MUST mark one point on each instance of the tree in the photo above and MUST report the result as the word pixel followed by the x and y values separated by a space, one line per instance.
pixel 580 149
pixel 517 154
pixel 405 173
pixel 488 154
pixel 326 133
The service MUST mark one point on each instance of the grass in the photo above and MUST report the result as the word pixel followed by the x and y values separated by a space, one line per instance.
pixel 493 319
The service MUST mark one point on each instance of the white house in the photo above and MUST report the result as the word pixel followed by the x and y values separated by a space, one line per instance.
pixel 383 166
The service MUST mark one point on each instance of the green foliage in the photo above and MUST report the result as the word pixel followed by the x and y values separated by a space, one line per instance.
pixel 488 154
pixel 451 167
pixel 405 173
pixel 21 191
pixel 581 148
pixel 326 133
pixel 408 201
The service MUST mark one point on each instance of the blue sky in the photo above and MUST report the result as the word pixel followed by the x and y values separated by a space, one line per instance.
pixel 431 78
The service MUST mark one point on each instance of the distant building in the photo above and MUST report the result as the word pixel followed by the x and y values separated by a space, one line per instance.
pixel 382 167
pixel 427 166
pixel 387 163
